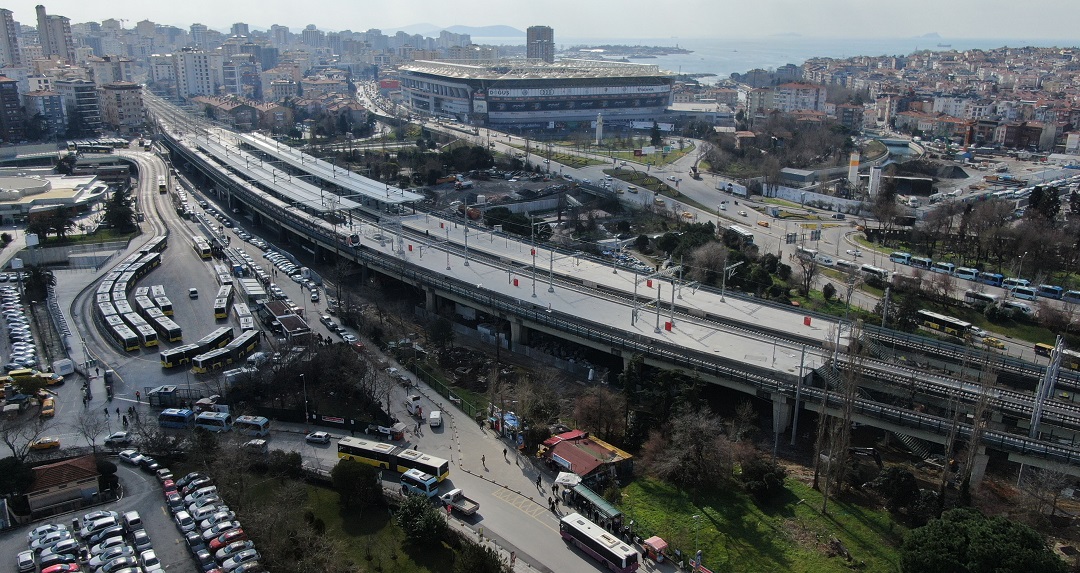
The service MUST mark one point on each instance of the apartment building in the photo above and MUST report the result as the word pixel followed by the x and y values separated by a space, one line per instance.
pixel 122 107
pixel 198 73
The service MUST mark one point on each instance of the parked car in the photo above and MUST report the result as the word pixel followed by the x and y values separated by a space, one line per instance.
pixel 184 521
pixel 130 456
pixel 110 554
pixel 118 439
pixel 219 529
pixel 233 548
pixel 317 438
pixel 239 559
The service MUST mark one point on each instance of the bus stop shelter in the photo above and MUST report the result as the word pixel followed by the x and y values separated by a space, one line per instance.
pixel 596 508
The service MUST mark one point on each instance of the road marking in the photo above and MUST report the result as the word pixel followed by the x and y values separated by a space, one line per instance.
pixel 526 505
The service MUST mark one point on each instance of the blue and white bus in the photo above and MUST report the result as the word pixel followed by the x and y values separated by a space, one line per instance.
pixel 966 273
pixel 1051 291
pixel 992 279
pixel 901 257
pixel 181 418
pixel 255 426
pixel 415 481
pixel 216 422
pixel 943 267
pixel 921 262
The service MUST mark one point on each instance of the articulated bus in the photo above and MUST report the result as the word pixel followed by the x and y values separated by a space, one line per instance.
pixel 165 305
pixel 125 337
pixel 162 184
pixel 255 426
pixel 245 343
pixel 156 291
pixel 166 328
pixel 143 305
pixel 181 418
pixel 147 335
pixel 155 245
pixel 216 339
pixel 143 292
pixel 601 544
pixel 226 292
pixel 174 357
pixel 202 247
pixel 391 457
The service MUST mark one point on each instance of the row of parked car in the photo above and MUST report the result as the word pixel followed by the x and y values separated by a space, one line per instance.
pixel 23 348
pixel 102 541
pixel 210 529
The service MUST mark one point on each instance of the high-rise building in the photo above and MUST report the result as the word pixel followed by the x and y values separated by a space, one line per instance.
pixel 80 106
pixel 198 73
pixel 122 106
pixel 279 35
pixel 109 69
pixel 12 120
pixel 48 108
pixel 198 36
pixel 54 35
pixel 540 43
pixel 240 29
pixel 10 56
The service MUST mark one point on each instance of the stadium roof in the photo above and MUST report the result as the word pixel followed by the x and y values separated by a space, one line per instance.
pixel 519 69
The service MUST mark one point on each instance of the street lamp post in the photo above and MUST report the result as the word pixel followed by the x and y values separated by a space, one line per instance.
pixel 303 382
pixel 723 279
pixel 551 271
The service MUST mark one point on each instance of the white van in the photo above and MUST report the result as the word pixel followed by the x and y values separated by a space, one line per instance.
pixel 825 260
pixel 435 418
pixel 132 521
pixel 1021 307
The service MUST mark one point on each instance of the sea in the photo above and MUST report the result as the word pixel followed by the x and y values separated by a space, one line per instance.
pixel 723 57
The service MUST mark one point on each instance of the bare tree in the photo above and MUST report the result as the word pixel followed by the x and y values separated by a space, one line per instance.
pixel 17 433
pixel 707 262
pixel 1044 486
pixel 90 424
pixel 744 421
pixel 808 272
pixel 601 411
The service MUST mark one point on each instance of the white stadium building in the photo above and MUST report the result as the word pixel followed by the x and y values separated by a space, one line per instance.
pixel 534 94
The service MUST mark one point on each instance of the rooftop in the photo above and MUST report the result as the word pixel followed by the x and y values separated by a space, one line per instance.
pixel 534 69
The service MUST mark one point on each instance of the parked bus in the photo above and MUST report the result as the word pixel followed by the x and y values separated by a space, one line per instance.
pixel 143 305
pixel 992 279
pixel 418 482
pixel 245 343
pixel 143 292
pixel 1051 291
pixel 125 337
pixel 1072 296
pixel 162 184
pixel 845 265
pixel 878 272
pixel 210 361
pixel 216 422
pixel 156 291
pixel 148 337
pixel 1025 292
pixel 221 308
pixel 241 310
pixel 216 339
pixel 181 418
pixel 165 305
pixel 943 267
pixel 255 426
pixel 980 300
pixel 226 292
pixel 944 324
pixel 900 257
pixel 921 262
pixel 177 356
pixel 389 456
pixel 966 273
pixel 1009 284
pixel 601 544
pixel 155 245
pixel 166 328
pixel 202 247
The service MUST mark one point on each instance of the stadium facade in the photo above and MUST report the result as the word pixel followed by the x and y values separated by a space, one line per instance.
pixel 535 94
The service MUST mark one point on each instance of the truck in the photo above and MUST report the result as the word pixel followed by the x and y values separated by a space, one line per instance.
pixel 463 185
pixel 456 499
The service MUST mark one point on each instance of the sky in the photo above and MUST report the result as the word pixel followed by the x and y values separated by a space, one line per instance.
pixel 1052 19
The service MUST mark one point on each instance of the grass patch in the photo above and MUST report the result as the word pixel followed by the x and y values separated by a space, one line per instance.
pixel 790 534
pixel 102 235
pixel 372 540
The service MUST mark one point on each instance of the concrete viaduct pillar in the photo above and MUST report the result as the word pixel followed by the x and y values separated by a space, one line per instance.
pixel 782 410
pixel 431 300
pixel 978 467
pixel 519 333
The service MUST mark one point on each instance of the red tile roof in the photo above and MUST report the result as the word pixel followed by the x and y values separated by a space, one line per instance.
pixel 62 472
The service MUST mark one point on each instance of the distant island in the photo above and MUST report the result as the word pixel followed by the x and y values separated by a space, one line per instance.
pixel 608 51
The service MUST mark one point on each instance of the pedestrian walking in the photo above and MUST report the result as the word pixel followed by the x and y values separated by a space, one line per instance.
pixel 483 461
pixel 504 453
pixel 555 489
pixel 118 411
pixel 551 505
pixel 106 411
pixel 138 397
pixel 539 478
pixel 125 422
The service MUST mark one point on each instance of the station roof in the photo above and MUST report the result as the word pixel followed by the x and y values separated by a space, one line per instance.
pixel 520 69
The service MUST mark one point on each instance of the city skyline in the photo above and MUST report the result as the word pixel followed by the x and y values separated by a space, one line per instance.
pixel 602 19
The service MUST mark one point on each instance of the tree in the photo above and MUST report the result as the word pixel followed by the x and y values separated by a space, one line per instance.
pixel 601 411
pixel 441 333
pixel 17 433
pixel 421 521
pixel 641 243
pixel 898 486
pixel 965 541
pixel 357 485
pixel 60 223
pixel 654 134
pixel 90 424
pixel 691 451
pixel 809 268
pixel 37 285
pixel 475 558
pixel 15 476
pixel 119 213
pixel 761 478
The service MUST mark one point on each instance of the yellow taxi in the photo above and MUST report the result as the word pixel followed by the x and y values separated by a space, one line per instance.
pixel 994 343
pixel 48 408
pixel 45 443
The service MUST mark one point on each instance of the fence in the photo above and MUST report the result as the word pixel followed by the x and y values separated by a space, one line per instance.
pixel 436 383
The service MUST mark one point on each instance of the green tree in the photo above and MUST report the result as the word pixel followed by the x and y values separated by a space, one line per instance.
pixel 357 484
pixel 474 558
pixel 421 521
pixel 38 282
pixel 965 541
pixel 15 476
pixel 119 213
pixel 60 223
pixel 762 479
pixel 654 134
pixel 642 243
